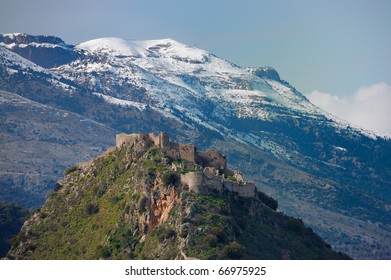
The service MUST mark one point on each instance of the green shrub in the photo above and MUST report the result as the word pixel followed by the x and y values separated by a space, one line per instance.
pixel 99 190
pixel 71 169
pixel 92 209
pixel 170 178
pixel 154 151
pixel 57 187
pixel 115 199
pixel 102 252
pixel 143 204
pixel 295 225
pixel 165 232
pixel 219 232
pixel 136 196
pixel 16 239
pixel 232 250
pixel 268 201
pixel 210 240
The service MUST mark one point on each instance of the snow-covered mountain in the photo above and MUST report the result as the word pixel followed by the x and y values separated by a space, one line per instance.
pixel 185 82
pixel 318 167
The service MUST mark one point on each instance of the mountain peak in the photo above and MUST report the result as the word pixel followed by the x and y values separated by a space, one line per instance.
pixel 164 48
pixel 123 45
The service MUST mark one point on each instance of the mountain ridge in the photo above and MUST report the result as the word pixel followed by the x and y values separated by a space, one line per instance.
pixel 129 47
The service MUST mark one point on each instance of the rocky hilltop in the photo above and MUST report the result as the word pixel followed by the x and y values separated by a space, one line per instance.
pixel 151 198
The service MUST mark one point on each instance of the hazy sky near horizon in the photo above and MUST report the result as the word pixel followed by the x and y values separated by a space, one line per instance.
pixel 331 47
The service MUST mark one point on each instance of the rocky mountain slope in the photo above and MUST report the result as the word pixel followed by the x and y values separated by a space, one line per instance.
pixel 37 143
pixel 135 202
pixel 335 176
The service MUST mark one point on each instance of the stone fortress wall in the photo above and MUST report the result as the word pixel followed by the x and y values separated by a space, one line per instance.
pixel 209 166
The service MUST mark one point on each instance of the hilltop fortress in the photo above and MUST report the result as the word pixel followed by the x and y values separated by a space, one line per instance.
pixel 210 167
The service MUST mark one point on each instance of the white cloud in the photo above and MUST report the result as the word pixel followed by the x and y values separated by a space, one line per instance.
pixel 369 107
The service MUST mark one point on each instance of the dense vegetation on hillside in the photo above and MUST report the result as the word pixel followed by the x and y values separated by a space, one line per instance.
pixel 11 220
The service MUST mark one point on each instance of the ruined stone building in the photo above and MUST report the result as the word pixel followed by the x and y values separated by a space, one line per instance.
pixel 210 167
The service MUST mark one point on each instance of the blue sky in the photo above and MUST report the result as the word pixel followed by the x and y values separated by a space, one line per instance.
pixel 333 47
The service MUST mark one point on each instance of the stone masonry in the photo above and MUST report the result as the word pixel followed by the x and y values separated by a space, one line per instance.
pixel 210 167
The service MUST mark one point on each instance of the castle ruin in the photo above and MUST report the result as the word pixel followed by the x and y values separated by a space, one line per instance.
pixel 210 167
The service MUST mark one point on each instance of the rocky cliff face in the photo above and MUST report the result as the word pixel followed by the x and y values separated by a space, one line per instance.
pixel 46 51
pixel 265 72
pixel 129 204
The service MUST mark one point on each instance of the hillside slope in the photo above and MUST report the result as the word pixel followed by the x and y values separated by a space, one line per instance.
pixel 133 202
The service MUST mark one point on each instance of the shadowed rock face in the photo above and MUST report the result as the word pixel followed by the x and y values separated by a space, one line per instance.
pixel 22 38
pixel 265 72
pixel 46 51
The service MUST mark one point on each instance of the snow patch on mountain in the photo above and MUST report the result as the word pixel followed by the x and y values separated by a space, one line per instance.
pixel 121 102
